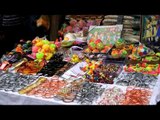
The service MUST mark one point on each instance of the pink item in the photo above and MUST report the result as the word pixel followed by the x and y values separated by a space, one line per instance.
pixel 57 43
pixel 34 55
pixel 31 56
pixel 35 49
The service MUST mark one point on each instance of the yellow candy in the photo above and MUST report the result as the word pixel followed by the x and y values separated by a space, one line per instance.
pixel 42 50
pixel 46 47
pixel 48 56
pixel 76 59
pixel 72 59
pixel 93 62
pixel 74 56
pixel 66 38
pixel 87 60
pixel 39 44
pixel 52 49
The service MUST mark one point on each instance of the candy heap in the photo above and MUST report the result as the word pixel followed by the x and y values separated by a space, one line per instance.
pixel 68 93
pixel 48 88
pixel 101 73
pixel 112 96
pixel 89 93
pixel 137 96
pixel 96 46
pixel 144 68
pixel 137 80
pixel 56 65
pixel 14 82
pixel 42 49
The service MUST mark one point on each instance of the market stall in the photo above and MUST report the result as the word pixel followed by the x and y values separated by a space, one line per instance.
pixel 88 64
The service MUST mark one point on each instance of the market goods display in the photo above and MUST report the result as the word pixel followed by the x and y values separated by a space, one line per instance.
pixel 11 57
pixel 75 58
pixel 89 93
pixel 152 69
pixel 104 73
pixel 14 81
pixel 42 49
pixel 8 60
pixel 56 66
pixel 136 79
pixel 140 51
pixel 121 50
pixel 48 89
pixel 97 46
pixel 69 39
pixel 38 49
pixel 137 96
pixel 30 87
pixel 85 65
pixel 78 24
pixel 112 96
pixel 30 67
pixel 68 93
pixel 120 43
pixel 153 59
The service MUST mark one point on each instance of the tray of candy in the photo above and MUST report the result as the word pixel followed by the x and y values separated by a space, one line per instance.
pixel 105 73
pixel 68 93
pixel 56 65
pixel 151 59
pixel 45 87
pixel 89 93
pixel 55 69
pixel 113 68
pixel 131 61
pixel 136 79
pixel 152 69
pixel 11 57
pixel 118 59
pixel 14 81
pixel 28 67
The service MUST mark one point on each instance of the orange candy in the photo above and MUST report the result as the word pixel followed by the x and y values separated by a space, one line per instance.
pixel 19 49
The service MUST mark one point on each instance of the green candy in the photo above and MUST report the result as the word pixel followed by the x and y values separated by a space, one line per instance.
pixel 124 53
pixel 39 55
pixel 45 41
pixel 53 46
pixel 148 68
pixel 149 58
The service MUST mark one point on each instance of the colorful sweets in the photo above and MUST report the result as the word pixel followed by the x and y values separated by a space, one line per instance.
pixel 48 89
pixel 68 93
pixel 144 68
pixel 97 46
pixel 30 67
pixel 56 65
pixel 103 73
pixel 112 96
pixel 137 96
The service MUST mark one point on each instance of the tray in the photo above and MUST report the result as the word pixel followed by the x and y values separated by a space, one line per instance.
pixel 110 59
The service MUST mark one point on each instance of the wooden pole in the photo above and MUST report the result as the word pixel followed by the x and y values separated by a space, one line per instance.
pixel 55 26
